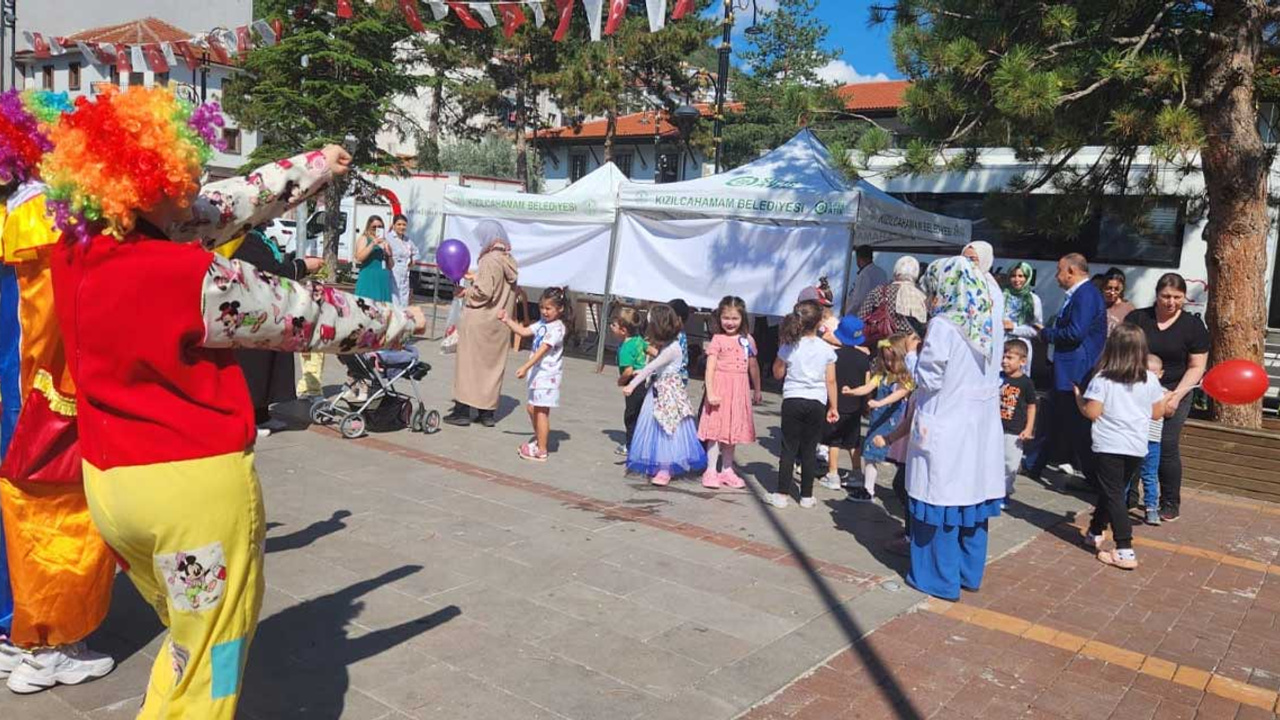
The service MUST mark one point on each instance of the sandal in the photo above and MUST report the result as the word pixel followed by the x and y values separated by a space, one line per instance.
pixel 529 451
pixel 1107 557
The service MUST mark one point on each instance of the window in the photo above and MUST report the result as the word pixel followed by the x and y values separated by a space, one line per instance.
pixel 623 161
pixel 46 77
pixel 231 136
pixel 73 76
pixel 668 168
pixel 577 167
pixel 137 79
pixel 1128 230
pixel 115 75
pixel 162 79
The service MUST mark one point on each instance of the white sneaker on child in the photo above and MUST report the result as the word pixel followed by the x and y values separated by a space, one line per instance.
pixel 830 481
pixel 807 502
pixel 777 500
pixel 66 664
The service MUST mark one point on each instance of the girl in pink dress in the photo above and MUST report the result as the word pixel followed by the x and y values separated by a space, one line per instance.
pixel 732 373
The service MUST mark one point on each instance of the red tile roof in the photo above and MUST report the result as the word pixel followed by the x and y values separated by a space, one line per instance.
pixel 874 96
pixel 136 32
pixel 635 125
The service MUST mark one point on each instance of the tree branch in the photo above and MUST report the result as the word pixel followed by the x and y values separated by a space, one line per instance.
pixel 1137 48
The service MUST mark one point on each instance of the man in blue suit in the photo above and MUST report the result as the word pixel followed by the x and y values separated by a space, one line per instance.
pixel 1077 336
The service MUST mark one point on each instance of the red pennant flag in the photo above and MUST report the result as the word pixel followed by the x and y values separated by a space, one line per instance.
pixel 682 7
pixel 565 9
pixel 122 60
pixel 464 14
pixel 512 18
pixel 103 57
pixel 617 11
pixel 344 9
pixel 39 45
pixel 155 58
pixel 188 54
pixel 243 42
pixel 217 50
pixel 410 10
pixel 277 26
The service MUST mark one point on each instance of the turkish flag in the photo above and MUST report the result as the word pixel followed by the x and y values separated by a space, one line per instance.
pixel 155 58
pixel 188 54
pixel 617 11
pixel 565 10
pixel 122 60
pixel 38 44
pixel 243 42
pixel 512 18
pixel 464 14
pixel 410 10
pixel 217 50
pixel 344 9
pixel 682 7
pixel 277 26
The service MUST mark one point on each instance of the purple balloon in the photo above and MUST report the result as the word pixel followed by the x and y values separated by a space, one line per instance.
pixel 454 259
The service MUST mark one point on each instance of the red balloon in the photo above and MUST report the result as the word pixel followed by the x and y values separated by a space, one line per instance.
pixel 1236 382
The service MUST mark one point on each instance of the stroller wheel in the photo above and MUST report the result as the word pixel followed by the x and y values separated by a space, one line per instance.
pixel 351 426
pixel 406 415
pixel 419 416
pixel 320 412
pixel 431 423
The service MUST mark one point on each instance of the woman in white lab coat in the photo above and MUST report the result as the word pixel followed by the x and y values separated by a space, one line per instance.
pixel 955 459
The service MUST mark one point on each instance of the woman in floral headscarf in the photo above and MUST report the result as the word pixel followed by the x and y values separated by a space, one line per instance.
pixel 1023 312
pixel 955 458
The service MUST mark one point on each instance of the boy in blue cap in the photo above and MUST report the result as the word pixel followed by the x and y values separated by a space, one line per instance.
pixel 853 363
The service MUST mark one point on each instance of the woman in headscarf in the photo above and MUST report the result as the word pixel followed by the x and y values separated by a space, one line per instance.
pixel 1023 311
pixel 983 255
pixel 955 458
pixel 483 339
pixel 900 301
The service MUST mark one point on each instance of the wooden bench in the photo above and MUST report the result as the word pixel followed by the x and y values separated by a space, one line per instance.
pixel 1232 460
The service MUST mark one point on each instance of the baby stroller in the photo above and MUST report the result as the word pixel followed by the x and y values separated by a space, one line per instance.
pixel 385 409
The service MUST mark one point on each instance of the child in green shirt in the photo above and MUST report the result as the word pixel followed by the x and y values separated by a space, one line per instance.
pixel 631 357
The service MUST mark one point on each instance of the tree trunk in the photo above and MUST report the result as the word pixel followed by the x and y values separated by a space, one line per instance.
pixel 333 193
pixel 610 130
pixel 437 101
pixel 522 119
pixel 1235 173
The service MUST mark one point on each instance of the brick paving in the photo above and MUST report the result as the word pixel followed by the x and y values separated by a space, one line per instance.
pixel 1193 633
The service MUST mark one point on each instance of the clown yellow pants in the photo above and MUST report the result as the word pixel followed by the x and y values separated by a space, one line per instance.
pixel 191 534
pixel 312 380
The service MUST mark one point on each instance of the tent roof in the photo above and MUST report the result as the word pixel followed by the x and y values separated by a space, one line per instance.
pixel 593 199
pixel 798 182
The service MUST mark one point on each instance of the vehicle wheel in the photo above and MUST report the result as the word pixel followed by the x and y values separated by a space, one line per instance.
pixel 406 415
pixel 320 413
pixel 351 426
pixel 431 423
pixel 419 416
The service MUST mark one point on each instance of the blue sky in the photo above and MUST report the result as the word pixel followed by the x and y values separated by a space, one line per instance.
pixel 866 53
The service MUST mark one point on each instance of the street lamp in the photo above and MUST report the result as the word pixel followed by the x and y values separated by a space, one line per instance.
pixel 685 118
pixel 9 21
pixel 726 49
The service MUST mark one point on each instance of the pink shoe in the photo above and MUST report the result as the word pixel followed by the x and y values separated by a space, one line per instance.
pixel 530 451
pixel 730 479
pixel 661 479
pixel 711 479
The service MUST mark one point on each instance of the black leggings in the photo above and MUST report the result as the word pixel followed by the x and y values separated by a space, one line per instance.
pixel 803 422
pixel 1112 473
pixel 635 401
pixel 1171 457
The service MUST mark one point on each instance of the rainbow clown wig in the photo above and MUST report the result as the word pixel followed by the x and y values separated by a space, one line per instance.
pixel 126 153
pixel 24 122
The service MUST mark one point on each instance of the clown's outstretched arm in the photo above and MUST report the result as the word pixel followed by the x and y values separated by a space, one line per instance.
pixel 228 208
pixel 244 307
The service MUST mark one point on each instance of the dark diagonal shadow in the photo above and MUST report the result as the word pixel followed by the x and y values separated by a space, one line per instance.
pixel 307 535
pixel 299 663
pixel 853 632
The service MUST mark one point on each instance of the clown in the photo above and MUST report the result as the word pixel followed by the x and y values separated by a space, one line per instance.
pixel 166 427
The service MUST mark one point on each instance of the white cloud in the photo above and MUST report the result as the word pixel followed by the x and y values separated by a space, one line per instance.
pixel 841 72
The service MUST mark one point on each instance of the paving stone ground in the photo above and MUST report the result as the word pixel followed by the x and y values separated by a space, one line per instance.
pixel 413 576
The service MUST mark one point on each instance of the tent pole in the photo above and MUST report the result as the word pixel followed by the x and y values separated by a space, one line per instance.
pixel 606 308
pixel 848 271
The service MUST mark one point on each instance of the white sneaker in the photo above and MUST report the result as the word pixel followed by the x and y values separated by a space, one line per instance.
pixel 824 453
pixel 10 659
pixel 830 481
pixel 807 502
pixel 777 500
pixel 66 664
pixel 263 432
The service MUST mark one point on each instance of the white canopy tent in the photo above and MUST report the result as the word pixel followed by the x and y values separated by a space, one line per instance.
pixel 564 238
pixel 763 231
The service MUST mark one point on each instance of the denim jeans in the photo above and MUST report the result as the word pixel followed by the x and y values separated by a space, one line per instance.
pixel 1149 474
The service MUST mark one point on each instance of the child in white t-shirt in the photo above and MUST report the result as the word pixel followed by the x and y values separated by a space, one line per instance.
pixel 808 365
pixel 545 367
pixel 1121 400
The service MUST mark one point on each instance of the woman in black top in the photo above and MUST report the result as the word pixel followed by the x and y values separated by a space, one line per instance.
pixel 1182 342
pixel 269 373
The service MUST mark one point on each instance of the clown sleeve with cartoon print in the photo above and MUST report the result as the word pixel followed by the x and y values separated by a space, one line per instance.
pixel 244 307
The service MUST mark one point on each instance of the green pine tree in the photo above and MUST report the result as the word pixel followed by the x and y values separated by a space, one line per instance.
pixel 1180 77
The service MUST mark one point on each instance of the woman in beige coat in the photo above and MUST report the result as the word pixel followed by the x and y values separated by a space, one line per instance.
pixel 483 340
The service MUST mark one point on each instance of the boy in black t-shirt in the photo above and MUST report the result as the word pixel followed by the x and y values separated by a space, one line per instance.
pixel 1017 408
pixel 853 362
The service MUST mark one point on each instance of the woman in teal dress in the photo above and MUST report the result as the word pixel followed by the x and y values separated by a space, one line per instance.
pixel 373 257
